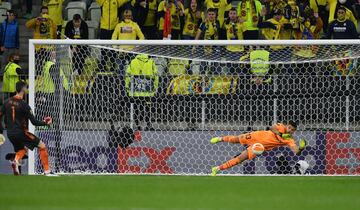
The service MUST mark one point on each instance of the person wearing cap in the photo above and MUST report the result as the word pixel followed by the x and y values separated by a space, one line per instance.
pixel 77 29
pixel 341 28
pixel 9 36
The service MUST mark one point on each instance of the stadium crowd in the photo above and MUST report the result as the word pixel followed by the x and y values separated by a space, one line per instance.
pixel 211 19
pixel 179 19
pixel 199 19
pixel 176 20
pixel 187 19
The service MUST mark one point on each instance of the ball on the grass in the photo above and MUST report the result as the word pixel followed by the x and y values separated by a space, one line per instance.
pixel 257 148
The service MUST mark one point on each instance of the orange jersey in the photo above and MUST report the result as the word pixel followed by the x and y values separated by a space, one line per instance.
pixel 267 138
pixel 281 127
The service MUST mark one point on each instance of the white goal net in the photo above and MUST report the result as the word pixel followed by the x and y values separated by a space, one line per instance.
pixel 153 106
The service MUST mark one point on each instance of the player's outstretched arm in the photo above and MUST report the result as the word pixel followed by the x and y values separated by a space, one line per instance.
pixel 36 122
pixel 275 130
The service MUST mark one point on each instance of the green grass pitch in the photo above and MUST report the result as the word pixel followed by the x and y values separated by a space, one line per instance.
pixel 179 192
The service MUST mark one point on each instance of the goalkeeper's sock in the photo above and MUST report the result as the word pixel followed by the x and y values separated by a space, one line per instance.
pixel 44 157
pixel 230 163
pixel 20 154
pixel 231 139
pixel 15 164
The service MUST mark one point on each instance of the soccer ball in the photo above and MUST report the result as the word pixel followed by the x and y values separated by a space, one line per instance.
pixel 257 148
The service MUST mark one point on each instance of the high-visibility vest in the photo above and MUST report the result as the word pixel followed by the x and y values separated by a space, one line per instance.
pixel 47 84
pixel 11 77
pixel 141 77
pixel 259 63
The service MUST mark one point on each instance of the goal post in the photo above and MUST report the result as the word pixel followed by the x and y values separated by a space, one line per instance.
pixel 151 106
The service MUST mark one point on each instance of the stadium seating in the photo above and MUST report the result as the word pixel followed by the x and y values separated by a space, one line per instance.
pixel 94 12
pixel 93 29
pixel 4 7
pixel 73 8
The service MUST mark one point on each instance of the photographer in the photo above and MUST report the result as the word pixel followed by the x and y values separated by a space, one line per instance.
pixel 44 28
pixel 118 139
pixel 284 167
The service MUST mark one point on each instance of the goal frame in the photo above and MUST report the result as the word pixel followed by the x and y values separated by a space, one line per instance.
pixel 33 42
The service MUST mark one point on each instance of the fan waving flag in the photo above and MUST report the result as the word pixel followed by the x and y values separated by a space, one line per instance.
pixel 167 22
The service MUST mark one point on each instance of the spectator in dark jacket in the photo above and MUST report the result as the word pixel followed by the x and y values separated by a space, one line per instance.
pixel 78 29
pixel 145 12
pixel 9 36
pixel 341 28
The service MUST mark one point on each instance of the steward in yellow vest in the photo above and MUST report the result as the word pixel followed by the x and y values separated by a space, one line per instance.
pixel 12 74
pixel 260 67
pixel 141 78
pixel 46 85
pixel 141 83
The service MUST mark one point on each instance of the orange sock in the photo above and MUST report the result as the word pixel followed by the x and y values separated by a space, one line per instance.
pixel 231 139
pixel 20 154
pixel 230 163
pixel 44 157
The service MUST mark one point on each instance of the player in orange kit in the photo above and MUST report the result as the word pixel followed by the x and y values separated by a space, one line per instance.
pixel 278 135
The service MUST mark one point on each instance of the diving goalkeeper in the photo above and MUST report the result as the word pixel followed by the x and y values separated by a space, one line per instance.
pixel 278 135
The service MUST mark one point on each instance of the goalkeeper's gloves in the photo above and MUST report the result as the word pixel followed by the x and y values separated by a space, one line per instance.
pixel 2 139
pixel 48 120
pixel 286 136
pixel 302 144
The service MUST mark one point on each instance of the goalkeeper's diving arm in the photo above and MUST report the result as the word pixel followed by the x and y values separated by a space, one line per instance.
pixel 275 130
pixel 298 149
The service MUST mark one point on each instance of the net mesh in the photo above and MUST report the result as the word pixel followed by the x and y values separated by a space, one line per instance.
pixel 154 108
